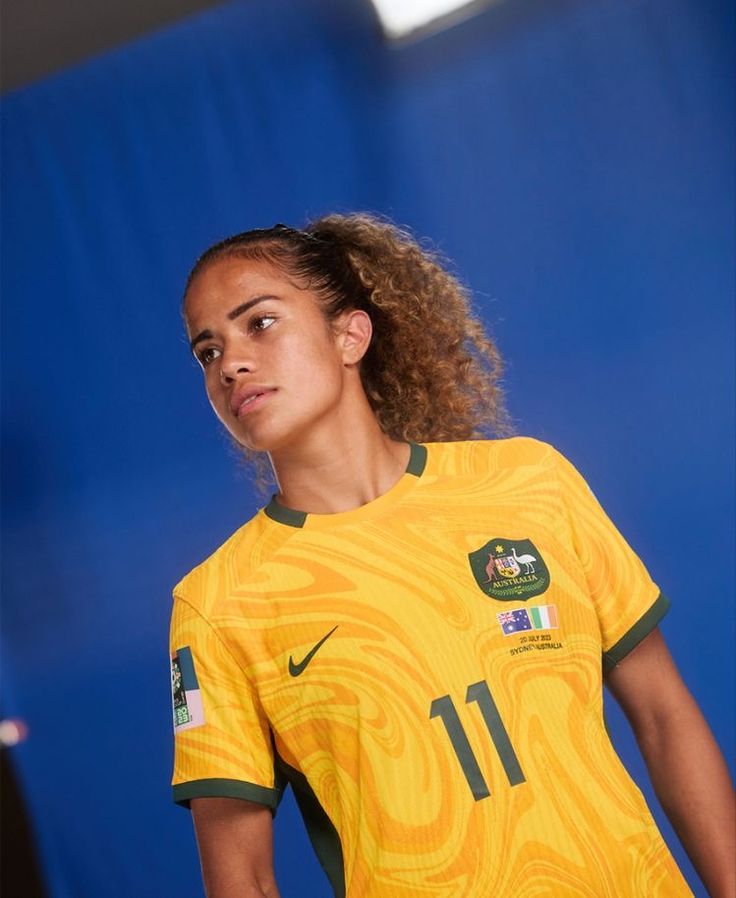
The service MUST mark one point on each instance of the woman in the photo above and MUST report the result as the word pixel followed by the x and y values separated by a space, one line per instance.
pixel 413 631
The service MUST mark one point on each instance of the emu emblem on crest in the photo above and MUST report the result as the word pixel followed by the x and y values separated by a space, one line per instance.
pixel 511 570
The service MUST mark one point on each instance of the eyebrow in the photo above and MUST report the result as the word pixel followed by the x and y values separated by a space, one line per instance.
pixel 232 315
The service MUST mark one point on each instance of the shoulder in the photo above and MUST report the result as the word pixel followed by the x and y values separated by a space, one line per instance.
pixel 484 456
pixel 231 563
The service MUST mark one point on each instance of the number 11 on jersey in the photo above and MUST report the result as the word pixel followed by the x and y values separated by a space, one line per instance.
pixel 444 708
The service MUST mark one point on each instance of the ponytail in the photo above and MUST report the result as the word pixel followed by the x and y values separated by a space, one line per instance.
pixel 431 373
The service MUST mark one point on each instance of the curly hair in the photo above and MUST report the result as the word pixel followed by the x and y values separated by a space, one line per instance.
pixel 430 373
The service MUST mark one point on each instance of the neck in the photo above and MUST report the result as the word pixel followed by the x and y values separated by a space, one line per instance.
pixel 343 467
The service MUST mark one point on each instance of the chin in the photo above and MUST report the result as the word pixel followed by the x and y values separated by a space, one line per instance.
pixel 277 433
pixel 273 441
pixel 259 442
pixel 248 443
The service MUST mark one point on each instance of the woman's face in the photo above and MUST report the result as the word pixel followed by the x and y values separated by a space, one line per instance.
pixel 273 369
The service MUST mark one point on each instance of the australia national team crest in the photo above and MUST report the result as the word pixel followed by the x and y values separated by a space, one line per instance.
pixel 511 570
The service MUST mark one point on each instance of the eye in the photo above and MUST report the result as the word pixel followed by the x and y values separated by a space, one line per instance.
pixel 261 322
pixel 208 355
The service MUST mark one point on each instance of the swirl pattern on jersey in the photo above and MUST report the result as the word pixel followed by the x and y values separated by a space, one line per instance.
pixel 452 756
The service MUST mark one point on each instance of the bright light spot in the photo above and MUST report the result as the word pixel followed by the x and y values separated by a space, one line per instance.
pixel 12 732
pixel 400 17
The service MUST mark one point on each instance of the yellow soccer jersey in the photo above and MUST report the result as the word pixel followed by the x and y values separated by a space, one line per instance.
pixel 426 671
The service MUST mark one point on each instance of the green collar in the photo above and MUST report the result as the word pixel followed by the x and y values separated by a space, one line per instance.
pixel 293 518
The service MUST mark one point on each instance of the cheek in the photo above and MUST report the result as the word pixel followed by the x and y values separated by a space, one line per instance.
pixel 318 372
pixel 314 355
pixel 214 393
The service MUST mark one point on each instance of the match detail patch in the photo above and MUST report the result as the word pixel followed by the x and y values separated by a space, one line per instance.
pixel 538 617
pixel 185 694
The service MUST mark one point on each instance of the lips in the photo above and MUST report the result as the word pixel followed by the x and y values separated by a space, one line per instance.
pixel 245 400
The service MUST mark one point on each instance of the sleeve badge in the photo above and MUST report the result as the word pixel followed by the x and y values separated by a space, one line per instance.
pixel 185 693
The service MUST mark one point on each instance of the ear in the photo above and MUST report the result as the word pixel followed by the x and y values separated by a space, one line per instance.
pixel 354 329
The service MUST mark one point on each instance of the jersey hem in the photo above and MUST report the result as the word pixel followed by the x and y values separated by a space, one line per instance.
pixel 224 788
pixel 643 627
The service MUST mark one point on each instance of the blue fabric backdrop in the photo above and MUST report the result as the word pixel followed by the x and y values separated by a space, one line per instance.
pixel 573 158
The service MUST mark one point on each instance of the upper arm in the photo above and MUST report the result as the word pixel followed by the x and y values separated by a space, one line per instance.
pixel 235 841
pixel 627 602
pixel 222 737
pixel 224 767
pixel 648 686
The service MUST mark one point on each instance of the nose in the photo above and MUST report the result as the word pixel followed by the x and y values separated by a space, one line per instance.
pixel 232 366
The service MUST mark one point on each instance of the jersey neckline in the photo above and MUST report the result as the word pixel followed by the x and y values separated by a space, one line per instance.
pixel 304 520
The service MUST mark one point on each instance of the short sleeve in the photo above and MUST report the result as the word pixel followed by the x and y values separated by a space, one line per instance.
pixel 222 740
pixel 628 603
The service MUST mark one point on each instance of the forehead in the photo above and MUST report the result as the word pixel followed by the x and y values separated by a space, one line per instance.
pixel 224 284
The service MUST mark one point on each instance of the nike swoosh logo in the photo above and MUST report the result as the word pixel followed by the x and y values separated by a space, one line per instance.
pixel 296 669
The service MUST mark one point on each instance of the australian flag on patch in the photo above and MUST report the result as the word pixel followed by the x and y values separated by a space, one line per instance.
pixel 514 621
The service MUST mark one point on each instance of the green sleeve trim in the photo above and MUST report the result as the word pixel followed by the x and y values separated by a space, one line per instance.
pixel 222 788
pixel 643 627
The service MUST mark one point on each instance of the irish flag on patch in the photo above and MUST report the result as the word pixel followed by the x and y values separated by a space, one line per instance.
pixel 538 617
pixel 544 617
